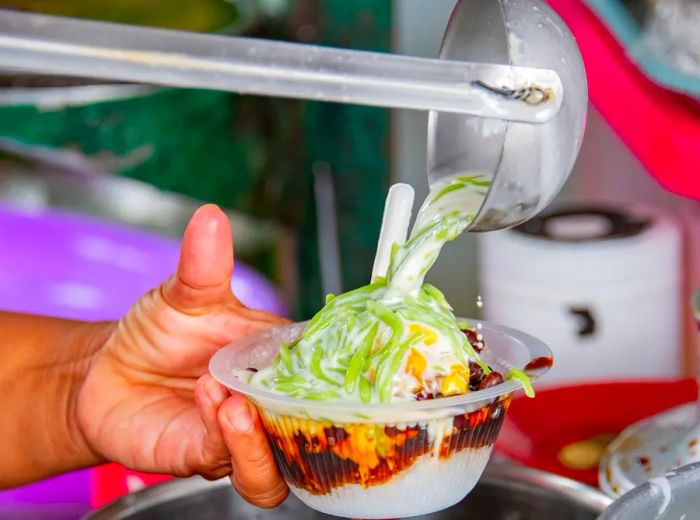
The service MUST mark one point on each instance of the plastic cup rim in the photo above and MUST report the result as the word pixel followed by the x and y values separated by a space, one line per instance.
pixel 536 349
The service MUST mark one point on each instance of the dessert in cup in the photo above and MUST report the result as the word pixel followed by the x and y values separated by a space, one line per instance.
pixel 385 404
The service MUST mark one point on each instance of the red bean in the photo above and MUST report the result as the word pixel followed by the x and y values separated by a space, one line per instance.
pixel 493 379
pixel 473 338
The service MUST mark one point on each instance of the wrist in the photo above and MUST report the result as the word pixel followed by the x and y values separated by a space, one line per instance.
pixel 45 362
pixel 89 339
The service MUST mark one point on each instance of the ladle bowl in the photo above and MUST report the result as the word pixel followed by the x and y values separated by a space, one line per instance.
pixel 527 163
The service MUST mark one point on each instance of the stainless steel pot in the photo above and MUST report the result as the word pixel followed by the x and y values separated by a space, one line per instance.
pixel 506 492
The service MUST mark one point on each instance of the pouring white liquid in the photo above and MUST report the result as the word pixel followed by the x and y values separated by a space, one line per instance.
pixel 396 338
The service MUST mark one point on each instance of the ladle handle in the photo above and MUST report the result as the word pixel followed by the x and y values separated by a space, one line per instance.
pixel 64 46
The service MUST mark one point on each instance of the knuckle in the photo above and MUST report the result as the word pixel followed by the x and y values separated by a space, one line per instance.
pixel 267 497
pixel 261 456
pixel 217 472
pixel 258 463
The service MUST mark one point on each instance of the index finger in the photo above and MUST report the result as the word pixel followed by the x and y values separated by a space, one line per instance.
pixel 255 474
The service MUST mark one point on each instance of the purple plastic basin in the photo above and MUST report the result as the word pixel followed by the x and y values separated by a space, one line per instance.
pixel 62 264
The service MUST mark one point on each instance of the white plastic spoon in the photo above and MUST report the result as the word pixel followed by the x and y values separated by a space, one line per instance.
pixel 397 216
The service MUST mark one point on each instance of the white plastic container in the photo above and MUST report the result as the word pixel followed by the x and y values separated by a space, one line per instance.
pixel 601 285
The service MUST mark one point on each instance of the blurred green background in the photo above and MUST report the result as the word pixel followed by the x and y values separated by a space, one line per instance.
pixel 252 155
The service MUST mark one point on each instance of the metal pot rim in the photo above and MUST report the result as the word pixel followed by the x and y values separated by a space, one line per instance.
pixel 498 470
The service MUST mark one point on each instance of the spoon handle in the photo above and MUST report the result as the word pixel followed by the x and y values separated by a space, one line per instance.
pixel 64 46
pixel 397 215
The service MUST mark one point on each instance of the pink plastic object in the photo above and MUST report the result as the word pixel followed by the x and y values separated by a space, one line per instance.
pixel 660 127
pixel 67 265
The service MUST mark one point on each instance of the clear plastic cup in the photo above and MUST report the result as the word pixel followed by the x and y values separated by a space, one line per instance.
pixel 382 460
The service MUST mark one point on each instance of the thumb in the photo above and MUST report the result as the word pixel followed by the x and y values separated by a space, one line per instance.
pixel 255 474
pixel 203 276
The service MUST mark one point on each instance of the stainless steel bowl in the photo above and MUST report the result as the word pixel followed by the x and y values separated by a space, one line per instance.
pixel 506 492
pixel 673 497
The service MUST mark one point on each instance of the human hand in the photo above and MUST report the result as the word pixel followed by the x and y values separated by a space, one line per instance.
pixel 147 400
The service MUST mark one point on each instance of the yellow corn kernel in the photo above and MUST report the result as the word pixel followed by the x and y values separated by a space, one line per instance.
pixel 429 335
pixel 415 364
pixel 460 370
pixel 453 385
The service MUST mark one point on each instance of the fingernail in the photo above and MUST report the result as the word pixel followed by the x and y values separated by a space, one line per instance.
pixel 240 418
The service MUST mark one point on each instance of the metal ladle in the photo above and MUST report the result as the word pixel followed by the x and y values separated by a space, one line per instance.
pixel 509 87
pixel 526 163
